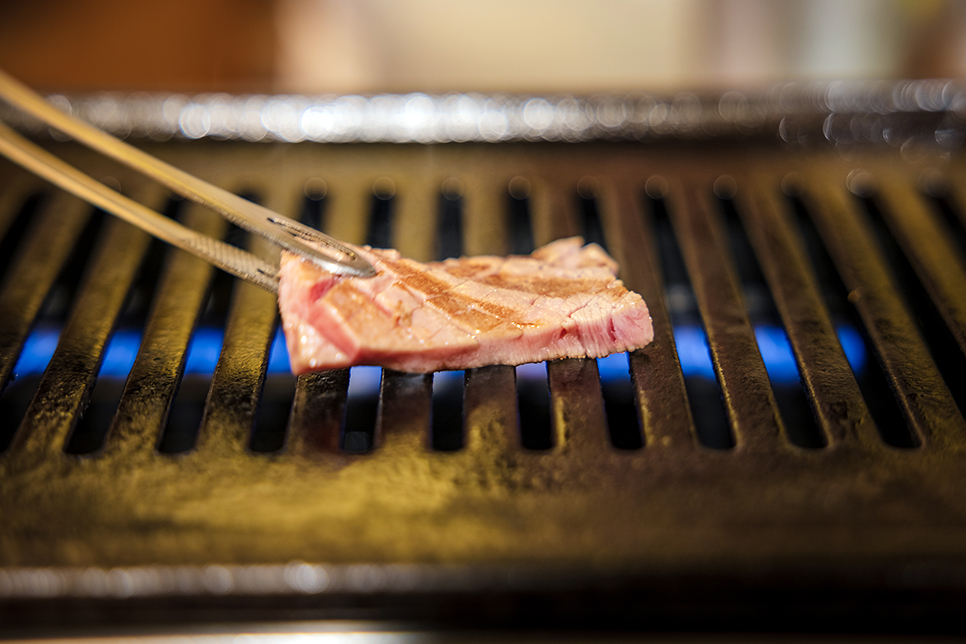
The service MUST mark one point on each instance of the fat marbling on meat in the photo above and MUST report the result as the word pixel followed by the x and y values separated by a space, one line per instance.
pixel 563 300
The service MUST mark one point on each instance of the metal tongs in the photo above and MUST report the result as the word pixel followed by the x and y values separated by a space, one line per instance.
pixel 285 232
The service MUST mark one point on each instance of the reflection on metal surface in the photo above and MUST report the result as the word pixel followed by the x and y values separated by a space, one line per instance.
pixel 798 112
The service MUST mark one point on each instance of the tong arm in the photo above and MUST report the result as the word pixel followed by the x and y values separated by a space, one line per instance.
pixel 287 233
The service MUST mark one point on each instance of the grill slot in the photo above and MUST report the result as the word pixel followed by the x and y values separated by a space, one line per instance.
pixel 121 351
pixel 154 380
pixel 533 407
pixel 922 395
pixel 380 218
pixel 315 204
pixel 620 408
pixel 943 203
pixel 447 423
pixel 833 393
pixel 939 337
pixel 275 404
pixel 361 412
pixel 877 396
pixel 18 214
pixel 703 390
pixel 798 420
pixel 449 230
pixel 519 226
pixel 26 285
pixel 748 399
pixel 929 247
pixel 591 227
pixel 236 384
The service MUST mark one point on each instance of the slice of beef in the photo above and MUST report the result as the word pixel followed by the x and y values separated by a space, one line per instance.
pixel 562 301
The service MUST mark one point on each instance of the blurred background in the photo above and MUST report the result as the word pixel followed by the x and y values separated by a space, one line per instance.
pixel 364 46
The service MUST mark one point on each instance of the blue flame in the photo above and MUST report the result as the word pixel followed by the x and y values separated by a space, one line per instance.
pixel 775 348
pixel 204 350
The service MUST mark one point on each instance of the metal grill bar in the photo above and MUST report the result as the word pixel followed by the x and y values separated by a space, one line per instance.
pixel 656 372
pixel 150 388
pixel 484 214
pixel 920 391
pixel 16 187
pixel 317 410
pixel 236 384
pixel 490 399
pixel 553 200
pixel 67 384
pixel 405 404
pixel 930 251
pixel 39 260
pixel 490 412
pixel 577 407
pixel 416 204
pixel 318 407
pixel 838 404
pixel 738 365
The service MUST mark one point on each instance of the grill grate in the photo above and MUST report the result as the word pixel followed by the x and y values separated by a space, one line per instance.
pixel 483 483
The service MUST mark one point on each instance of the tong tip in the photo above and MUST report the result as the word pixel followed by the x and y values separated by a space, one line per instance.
pixel 294 234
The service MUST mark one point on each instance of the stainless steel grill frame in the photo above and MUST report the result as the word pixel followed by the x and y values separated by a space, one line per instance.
pixel 663 535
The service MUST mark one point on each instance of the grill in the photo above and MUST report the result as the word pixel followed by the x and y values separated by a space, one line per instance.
pixel 791 441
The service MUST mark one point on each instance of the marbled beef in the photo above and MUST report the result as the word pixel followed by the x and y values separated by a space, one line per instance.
pixel 561 301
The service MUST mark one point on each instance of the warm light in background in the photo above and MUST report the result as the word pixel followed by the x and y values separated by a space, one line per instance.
pixel 364 46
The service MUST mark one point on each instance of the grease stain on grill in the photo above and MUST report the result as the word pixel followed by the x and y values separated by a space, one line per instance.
pixel 869 374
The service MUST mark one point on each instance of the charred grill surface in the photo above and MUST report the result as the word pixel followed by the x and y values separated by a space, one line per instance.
pixel 809 458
